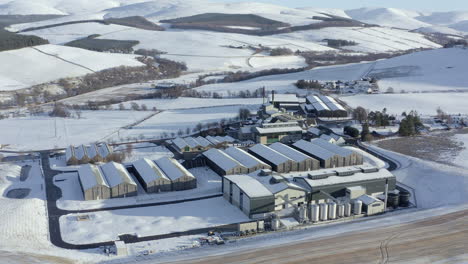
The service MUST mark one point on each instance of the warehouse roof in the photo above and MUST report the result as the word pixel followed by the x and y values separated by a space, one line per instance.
pixel 70 152
pixel 179 142
pixel 331 147
pixel 213 140
pixel 221 159
pixel 203 141
pixel 271 130
pixel 276 187
pixel 91 176
pixel 116 174
pixel 314 150
pixel 148 170
pixel 269 154
pixel 243 157
pixel 285 98
pixel 289 152
pixel 173 169
pixel 249 186
pixel 104 150
pixel 367 199
pixel 80 152
pixel 314 131
pixel 92 151
pixel 193 143
pixel 360 176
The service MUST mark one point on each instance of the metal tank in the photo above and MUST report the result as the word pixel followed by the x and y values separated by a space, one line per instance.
pixel 347 211
pixel 393 200
pixel 341 210
pixel 314 213
pixel 357 210
pixel 404 199
pixel 323 212
pixel 332 211
pixel 303 214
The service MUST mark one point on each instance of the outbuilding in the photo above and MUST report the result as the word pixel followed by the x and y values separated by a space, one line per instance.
pixel 276 160
pixel 327 158
pixel 371 205
pixel 151 177
pixel 120 181
pixel 250 162
pixel 302 161
pixel 93 183
pixel 222 163
pixel 180 177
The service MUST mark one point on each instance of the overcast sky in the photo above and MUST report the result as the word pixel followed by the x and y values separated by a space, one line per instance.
pixel 419 5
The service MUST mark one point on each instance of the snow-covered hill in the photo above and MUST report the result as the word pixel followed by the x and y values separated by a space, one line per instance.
pixel 389 17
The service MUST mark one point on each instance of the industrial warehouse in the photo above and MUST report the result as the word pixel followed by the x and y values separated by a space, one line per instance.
pixel 82 154
pixel 114 180
pixel 324 106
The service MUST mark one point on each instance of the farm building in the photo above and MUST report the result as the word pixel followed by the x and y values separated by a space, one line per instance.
pixel 70 156
pixel 120 182
pixel 93 183
pixel 93 153
pixel 350 157
pixel 286 101
pixel 302 161
pixel 151 177
pixel 188 144
pixel 344 182
pixel 81 154
pixel 371 205
pixel 222 163
pixel 247 193
pixel 181 178
pixel 250 162
pixel 327 158
pixel 84 154
pixel 278 132
pixel 314 132
pixel 220 141
pixel 276 160
pixel 325 106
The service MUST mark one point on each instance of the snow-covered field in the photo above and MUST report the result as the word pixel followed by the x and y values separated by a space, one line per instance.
pixel 208 183
pixel 164 219
pixel 462 158
pixel 29 66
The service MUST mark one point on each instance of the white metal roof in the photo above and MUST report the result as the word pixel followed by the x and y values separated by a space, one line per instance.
pixel 179 142
pixel 173 169
pixel 91 176
pixel 70 152
pixel 203 141
pixel 116 174
pixel 80 152
pixel 221 159
pixel 368 200
pixel 104 150
pixel 289 152
pixel 271 130
pixel 250 186
pixel 192 142
pixel 332 147
pixel 148 170
pixel 331 103
pixel 243 157
pixel 314 150
pixel 314 131
pixel 285 98
pixel 269 154
pixel 213 140
pixel 92 151
pixel 360 176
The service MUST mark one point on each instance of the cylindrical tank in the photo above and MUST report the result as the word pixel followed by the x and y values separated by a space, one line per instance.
pixel 357 210
pixel 275 223
pixel 323 212
pixel 404 199
pixel 303 213
pixel 393 200
pixel 347 209
pixel 332 211
pixel 341 210
pixel 314 213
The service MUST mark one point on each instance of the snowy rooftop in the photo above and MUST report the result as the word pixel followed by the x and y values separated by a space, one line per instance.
pixel 92 151
pixel 213 140
pixel 381 174
pixel 271 130
pixel 269 154
pixel 116 174
pixel 243 157
pixel 314 150
pixel 173 169
pixel 275 187
pixel 331 147
pixel 221 159
pixel 104 150
pixel 203 141
pixel 250 186
pixel 289 152
pixel 69 152
pixel 285 98
pixel 367 199
pixel 91 176
pixel 179 142
pixel 314 130
pixel 331 103
pixel 193 143
pixel 148 170
pixel 80 152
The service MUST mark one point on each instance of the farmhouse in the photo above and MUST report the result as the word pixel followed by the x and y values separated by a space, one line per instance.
pixel 276 160
pixel 180 177
pixel 302 161
pixel 151 177
pixel 250 162
pixel 222 163
pixel 327 158
pixel 93 183
pixel 120 182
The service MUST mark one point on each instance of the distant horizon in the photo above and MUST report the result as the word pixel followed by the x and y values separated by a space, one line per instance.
pixel 413 5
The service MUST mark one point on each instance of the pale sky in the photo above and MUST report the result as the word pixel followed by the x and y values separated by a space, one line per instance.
pixel 417 5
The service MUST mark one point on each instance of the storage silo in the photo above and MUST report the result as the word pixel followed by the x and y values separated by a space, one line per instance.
pixel 357 210
pixel 303 214
pixel 393 200
pixel 341 210
pixel 314 213
pixel 275 223
pixel 404 199
pixel 332 210
pixel 323 212
pixel 347 209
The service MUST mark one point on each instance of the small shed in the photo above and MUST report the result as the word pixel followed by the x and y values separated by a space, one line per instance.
pixel 120 181
pixel 180 177
pixel 151 177
pixel 371 205
pixel 93 183
pixel 276 160
pixel 250 162
pixel 303 162
pixel 222 163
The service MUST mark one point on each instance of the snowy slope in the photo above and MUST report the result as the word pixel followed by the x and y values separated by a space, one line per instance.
pixel 444 18
pixel 29 66
pixel 390 17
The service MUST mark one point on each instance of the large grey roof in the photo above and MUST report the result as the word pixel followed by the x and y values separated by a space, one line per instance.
pixel 250 186
pixel 148 170
pixel 331 147
pixel 179 142
pixel 243 157
pixel 289 152
pixel 314 150
pixel 269 154
pixel 221 159
pixel 356 177
pixel 203 141
pixel 80 152
pixel 173 169
pixel 116 174
pixel 91 176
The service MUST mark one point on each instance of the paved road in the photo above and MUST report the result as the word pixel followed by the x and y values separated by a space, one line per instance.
pixel 424 241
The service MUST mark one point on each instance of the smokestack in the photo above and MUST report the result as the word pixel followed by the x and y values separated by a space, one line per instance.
pixel 386 195
pixel 273 97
